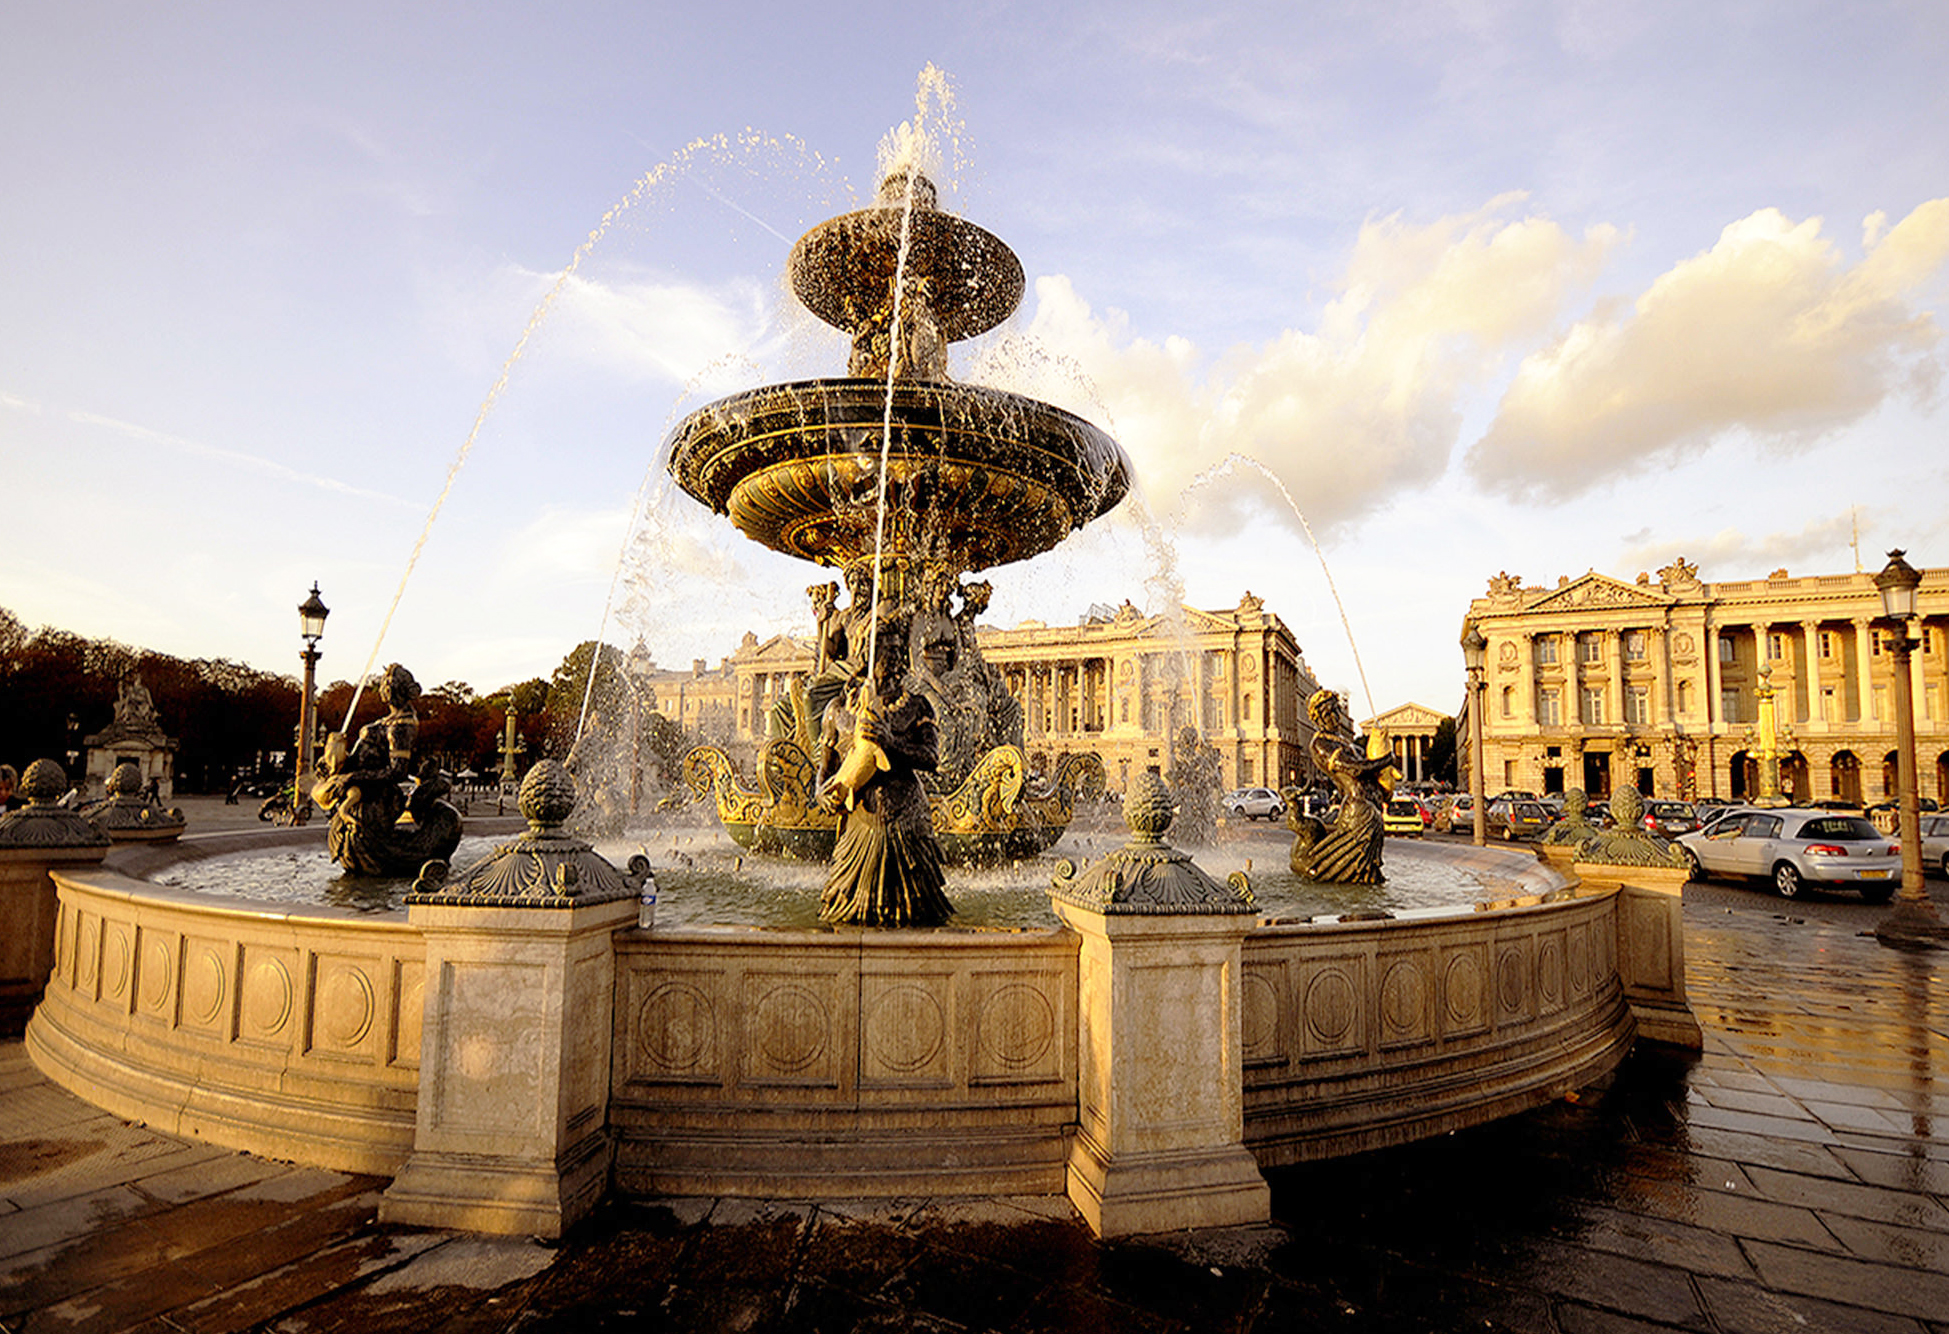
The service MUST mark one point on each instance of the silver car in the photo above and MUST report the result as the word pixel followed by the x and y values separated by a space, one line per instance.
pixel 1794 848
pixel 1254 803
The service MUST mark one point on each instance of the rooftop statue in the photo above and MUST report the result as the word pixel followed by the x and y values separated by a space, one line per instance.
pixel 377 828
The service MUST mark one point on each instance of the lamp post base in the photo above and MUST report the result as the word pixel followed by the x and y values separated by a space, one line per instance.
pixel 1913 926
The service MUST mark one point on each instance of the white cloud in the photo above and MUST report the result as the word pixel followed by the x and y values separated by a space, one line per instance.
pixel 1769 332
pixel 1346 415
pixel 1731 554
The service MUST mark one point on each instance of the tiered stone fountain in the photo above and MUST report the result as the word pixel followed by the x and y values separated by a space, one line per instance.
pixel 907 481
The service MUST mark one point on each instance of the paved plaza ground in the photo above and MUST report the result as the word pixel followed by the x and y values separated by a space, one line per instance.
pixel 1792 1177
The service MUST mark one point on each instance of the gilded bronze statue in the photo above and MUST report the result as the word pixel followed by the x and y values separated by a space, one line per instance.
pixel 1350 852
pixel 377 828
pixel 886 862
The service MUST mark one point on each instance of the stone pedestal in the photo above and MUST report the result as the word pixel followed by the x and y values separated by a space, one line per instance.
pixel 34 841
pixel 1651 947
pixel 512 1132
pixel 1162 1140
pixel 1161 1144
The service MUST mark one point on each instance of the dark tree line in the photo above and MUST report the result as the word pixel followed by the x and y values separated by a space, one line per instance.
pixel 232 721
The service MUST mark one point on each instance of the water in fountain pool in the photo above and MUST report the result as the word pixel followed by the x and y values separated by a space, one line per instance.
pixel 704 879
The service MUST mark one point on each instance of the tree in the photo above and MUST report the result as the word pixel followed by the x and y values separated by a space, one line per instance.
pixel 1441 752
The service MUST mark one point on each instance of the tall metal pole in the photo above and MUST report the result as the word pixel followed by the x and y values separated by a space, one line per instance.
pixel 1477 805
pixel 301 790
pixel 1914 922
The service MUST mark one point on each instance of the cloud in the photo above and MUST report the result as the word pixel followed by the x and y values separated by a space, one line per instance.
pixel 1769 332
pixel 1731 554
pixel 1346 415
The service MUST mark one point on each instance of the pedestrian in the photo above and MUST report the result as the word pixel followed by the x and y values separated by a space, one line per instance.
pixel 10 800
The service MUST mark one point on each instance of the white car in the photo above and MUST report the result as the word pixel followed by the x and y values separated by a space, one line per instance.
pixel 1935 843
pixel 1254 803
pixel 1795 847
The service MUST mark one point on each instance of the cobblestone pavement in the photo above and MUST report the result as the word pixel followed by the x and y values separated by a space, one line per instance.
pixel 1792 1177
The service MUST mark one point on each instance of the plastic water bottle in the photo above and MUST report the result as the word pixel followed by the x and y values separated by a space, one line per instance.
pixel 646 906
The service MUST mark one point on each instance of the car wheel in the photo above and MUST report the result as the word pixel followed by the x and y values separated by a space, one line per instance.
pixel 1692 862
pixel 1786 879
pixel 1945 863
pixel 1877 893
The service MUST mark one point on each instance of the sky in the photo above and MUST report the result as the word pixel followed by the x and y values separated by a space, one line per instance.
pixel 1471 287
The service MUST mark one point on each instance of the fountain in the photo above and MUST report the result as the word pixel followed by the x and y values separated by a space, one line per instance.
pixel 528 1034
pixel 905 480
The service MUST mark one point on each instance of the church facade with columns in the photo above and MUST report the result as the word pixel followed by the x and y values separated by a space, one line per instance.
pixel 1600 684
pixel 1119 682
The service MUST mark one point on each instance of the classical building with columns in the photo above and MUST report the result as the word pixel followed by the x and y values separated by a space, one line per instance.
pixel 1409 730
pixel 1120 683
pixel 1598 683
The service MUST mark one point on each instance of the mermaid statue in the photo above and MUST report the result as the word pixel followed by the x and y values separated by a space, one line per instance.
pixel 377 829
pixel 1350 852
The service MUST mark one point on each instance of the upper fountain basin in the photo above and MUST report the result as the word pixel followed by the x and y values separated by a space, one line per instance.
pixel 975 476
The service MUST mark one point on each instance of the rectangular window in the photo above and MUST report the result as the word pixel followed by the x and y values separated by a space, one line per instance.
pixel 1729 705
pixel 1509 701
pixel 1776 647
pixel 1509 773
pixel 1827 705
pixel 1550 709
pixel 1728 651
pixel 1637 705
pixel 1546 651
pixel 1593 704
pixel 1590 648
pixel 1881 702
pixel 1634 646
pixel 1826 643
pixel 1874 643
pixel 1928 639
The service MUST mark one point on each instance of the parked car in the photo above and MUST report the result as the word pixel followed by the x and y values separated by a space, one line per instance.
pixel 1254 803
pixel 1514 794
pixel 1794 847
pixel 1403 816
pixel 1935 843
pixel 1455 813
pixel 1669 819
pixel 1516 819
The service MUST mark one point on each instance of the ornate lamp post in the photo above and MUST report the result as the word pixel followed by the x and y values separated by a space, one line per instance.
pixel 1475 646
pixel 1913 924
pixel 510 747
pixel 311 628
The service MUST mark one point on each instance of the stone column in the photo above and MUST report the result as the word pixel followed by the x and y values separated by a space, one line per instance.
pixel 1864 690
pixel 512 1134
pixel 1810 673
pixel 34 841
pixel 1526 667
pixel 1714 713
pixel 1617 678
pixel 1161 1145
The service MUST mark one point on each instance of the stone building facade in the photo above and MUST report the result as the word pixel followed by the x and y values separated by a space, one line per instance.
pixel 1598 683
pixel 1119 683
pixel 1409 731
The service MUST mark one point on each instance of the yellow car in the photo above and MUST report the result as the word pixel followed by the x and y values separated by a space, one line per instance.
pixel 1402 816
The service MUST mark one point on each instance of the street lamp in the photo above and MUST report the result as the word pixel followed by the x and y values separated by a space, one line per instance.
pixel 1475 647
pixel 1913 924
pixel 311 628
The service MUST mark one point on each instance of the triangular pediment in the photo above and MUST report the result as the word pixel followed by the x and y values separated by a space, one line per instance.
pixel 1598 591
pixel 1408 717
pixel 777 648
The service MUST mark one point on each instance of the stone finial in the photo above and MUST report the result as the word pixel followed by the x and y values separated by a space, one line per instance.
pixel 1147 876
pixel 544 868
pixel 128 815
pixel 43 823
pixel 1629 844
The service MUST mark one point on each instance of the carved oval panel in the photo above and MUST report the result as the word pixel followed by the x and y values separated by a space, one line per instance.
pixel 118 963
pixel 1549 972
pixel 905 1029
pixel 791 1024
pixel 1462 990
pixel 204 985
pixel 87 957
pixel 346 1005
pixel 1403 993
pixel 158 966
pixel 1259 1016
pixel 1509 979
pixel 674 1026
pixel 1579 961
pixel 1016 1026
pixel 1331 1005
pixel 266 998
